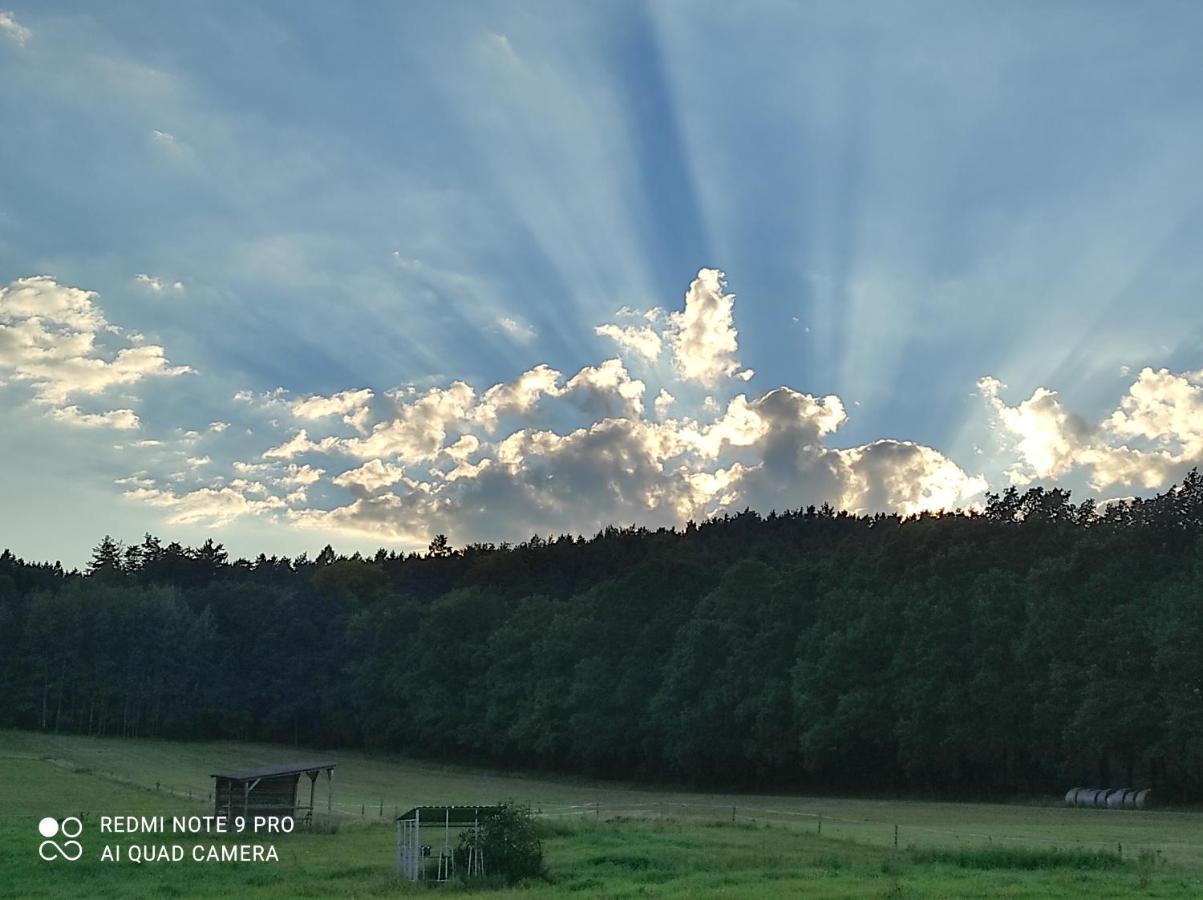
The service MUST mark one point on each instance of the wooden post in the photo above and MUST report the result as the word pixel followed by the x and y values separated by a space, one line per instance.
pixel 820 824
pixel 733 815
pixel 329 790
pixel 895 837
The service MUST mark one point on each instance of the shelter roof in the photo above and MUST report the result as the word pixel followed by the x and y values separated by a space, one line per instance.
pixel 276 770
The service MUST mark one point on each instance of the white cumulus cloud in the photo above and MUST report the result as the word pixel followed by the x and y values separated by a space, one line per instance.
pixel 353 406
pixel 543 452
pixel 51 336
pixel 1154 434
pixel 642 340
pixel 703 336
pixel 123 419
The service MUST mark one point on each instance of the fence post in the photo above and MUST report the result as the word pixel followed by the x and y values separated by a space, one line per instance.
pixel 733 815
pixel 597 809
pixel 820 824
pixel 382 808
pixel 363 811
pixel 895 837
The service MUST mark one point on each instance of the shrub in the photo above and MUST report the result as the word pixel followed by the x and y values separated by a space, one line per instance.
pixel 508 840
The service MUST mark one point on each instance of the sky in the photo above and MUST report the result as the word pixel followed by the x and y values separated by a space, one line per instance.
pixel 289 274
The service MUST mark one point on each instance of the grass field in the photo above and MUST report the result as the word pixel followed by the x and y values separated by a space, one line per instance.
pixel 602 840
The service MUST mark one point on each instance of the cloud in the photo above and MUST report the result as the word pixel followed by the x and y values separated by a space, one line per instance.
pixel 703 336
pixel 1165 409
pixel 265 399
pixel 519 331
pixel 606 390
pixel 298 444
pixel 542 452
pixel 205 506
pixel 370 477
pixel 790 465
pixel 627 469
pixel 517 397
pixel 420 427
pixel 123 419
pixel 1049 437
pixel 301 476
pixel 49 338
pixel 1153 435
pixel 158 285
pixel 903 476
pixel 12 29
pixel 642 340
pixel 663 401
pixel 353 406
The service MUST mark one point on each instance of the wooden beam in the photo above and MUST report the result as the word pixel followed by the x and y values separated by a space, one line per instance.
pixel 312 785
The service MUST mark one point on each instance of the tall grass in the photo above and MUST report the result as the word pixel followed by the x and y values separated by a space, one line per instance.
pixel 1025 858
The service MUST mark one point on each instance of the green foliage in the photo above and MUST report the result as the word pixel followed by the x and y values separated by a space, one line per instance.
pixel 1028 648
pixel 508 840
pixel 1020 858
pixel 590 858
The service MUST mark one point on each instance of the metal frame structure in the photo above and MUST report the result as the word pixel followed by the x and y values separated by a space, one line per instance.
pixel 417 861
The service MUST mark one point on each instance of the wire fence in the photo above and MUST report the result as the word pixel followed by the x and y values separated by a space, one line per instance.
pixel 867 830
pixel 874 831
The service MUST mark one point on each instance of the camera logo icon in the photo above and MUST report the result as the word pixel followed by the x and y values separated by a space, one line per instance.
pixel 69 849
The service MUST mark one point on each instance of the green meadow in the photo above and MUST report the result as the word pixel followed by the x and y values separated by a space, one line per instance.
pixel 601 840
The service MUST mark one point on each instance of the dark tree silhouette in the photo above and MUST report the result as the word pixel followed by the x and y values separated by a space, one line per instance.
pixel 1028 646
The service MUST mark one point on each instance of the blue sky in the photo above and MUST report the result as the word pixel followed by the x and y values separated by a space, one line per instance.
pixel 323 218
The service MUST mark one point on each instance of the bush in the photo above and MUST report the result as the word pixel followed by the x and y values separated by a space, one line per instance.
pixel 508 841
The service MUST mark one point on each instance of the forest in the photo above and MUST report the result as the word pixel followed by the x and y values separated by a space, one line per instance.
pixel 1026 647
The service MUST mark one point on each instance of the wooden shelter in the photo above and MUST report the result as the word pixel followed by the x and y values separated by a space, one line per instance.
pixel 435 861
pixel 270 791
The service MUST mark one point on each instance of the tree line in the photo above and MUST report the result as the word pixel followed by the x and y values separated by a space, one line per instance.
pixel 1028 646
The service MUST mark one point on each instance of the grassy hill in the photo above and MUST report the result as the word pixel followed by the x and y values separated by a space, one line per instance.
pixel 601 839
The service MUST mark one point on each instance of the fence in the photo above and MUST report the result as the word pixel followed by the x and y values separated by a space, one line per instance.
pixel 1186 845
pixel 878 832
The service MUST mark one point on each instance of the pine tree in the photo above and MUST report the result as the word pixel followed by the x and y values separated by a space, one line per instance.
pixel 106 559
